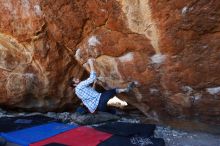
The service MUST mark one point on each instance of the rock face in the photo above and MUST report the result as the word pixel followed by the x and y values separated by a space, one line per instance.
pixel 35 59
pixel 170 47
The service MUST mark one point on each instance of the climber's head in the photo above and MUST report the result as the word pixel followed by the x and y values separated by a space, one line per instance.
pixel 73 82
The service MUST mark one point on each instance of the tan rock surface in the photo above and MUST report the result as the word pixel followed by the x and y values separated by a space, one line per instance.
pixel 34 66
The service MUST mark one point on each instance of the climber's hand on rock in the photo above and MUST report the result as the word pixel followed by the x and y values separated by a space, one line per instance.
pixel 91 63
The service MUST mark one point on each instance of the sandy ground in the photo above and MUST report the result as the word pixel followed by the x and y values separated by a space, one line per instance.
pixel 174 137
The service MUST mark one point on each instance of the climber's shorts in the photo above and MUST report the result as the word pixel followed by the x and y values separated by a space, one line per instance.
pixel 105 97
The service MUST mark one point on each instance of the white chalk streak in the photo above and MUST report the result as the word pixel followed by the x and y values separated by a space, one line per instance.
pixel 93 41
pixel 127 57
pixel 214 90
pixel 158 58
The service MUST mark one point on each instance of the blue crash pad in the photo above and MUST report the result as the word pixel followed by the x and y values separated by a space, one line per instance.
pixel 27 136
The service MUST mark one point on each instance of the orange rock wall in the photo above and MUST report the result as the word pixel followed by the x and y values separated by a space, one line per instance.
pixel 170 47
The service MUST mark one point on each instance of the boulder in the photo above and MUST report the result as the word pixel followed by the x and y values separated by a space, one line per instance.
pixel 171 48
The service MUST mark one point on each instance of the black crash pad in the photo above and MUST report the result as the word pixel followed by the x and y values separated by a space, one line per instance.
pixel 127 129
pixel 55 144
pixel 8 124
pixel 132 141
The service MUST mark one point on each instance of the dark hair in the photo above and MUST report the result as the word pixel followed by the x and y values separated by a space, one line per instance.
pixel 70 82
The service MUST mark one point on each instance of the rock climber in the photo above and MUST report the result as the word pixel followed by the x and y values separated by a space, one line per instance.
pixel 92 99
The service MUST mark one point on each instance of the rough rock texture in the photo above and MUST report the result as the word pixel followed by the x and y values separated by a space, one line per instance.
pixel 35 61
pixel 170 47
pixel 189 36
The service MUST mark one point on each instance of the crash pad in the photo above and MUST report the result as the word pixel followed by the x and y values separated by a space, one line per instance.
pixel 8 124
pixel 27 136
pixel 132 141
pixel 127 129
pixel 54 144
pixel 81 136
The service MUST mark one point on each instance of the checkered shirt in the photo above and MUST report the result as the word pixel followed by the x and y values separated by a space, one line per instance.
pixel 89 96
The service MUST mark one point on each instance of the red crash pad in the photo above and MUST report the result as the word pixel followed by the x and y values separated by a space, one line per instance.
pixel 81 136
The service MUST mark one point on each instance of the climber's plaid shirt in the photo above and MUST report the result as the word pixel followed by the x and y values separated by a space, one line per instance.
pixel 87 94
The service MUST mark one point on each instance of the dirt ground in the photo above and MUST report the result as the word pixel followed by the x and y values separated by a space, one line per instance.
pixel 174 137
